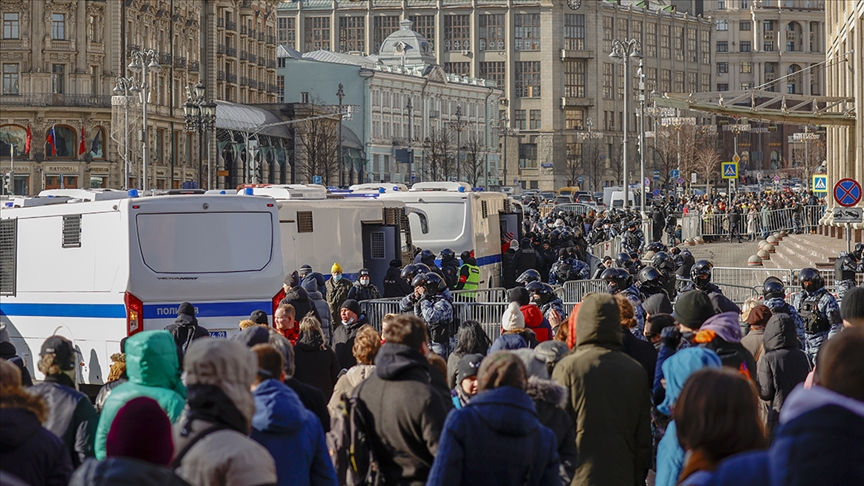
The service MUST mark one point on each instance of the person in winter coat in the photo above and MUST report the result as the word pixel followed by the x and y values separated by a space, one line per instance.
pixel 449 267
pixel 642 351
pixel 534 318
pixel 512 327
pixel 138 450
pixel 394 284
pixel 70 415
pixel 153 367
pixel 311 397
pixel 782 366
pixel 363 288
pixel 116 376
pixel 9 353
pixel 186 329
pixel 406 409
pixel 343 337
pixel 509 269
pixel 721 334
pixel 211 446
pixel 303 305
pixel 365 349
pixel 501 419
pixel 471 339
pixel 821 437
pixel 466 380
pixel 609 399
pixel 677 369
pixel 286 429
pixel 315 363
pixel 323 311
pixel 312 281
pixel 337 290
pixel 27 450
pixel 753 342
pixel 285 322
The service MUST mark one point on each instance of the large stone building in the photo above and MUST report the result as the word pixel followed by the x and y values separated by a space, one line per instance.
pixel 552 63
pixel 60 60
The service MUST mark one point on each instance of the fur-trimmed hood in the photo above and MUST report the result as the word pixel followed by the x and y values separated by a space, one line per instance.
pixel 548 391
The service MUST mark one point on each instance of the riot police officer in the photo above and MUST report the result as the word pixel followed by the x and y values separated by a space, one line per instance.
pixel 818 309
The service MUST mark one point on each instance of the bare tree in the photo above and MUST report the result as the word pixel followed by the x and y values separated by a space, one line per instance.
pixel 475 159
pixel 616 162
pixel 440 157
pixel 665 153
pixel 318 143
pixel 592 162
pixel 706 158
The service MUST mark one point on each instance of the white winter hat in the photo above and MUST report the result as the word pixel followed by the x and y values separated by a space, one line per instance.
pixel 513 319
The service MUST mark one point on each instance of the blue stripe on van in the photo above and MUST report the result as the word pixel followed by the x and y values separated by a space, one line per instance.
pixel 487 260
pixel 64 310
pixel 211 309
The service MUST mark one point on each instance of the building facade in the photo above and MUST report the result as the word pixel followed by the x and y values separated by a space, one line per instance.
pixel 60 60
pixel 551 62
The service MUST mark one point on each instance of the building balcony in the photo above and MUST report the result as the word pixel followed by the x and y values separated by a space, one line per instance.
pixel 220 23
pixel 244 55
pixel 261 61
pixel 272 88
pixel 52 99
pixel 231 78
pixel 231 51
pixel 231 25
pixel 246 7
pixel 244 81
pixel 180 62
pixel 220 75
pixel 194 66
pixel 571 54
pixel 271 64
pixel 243 29
pixel 260 36
pixel 570 102
pixel 271 39
pixel 165 58
pixel 220 49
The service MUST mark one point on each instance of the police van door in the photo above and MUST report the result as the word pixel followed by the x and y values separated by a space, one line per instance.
pixel 510 223
pixel 380 246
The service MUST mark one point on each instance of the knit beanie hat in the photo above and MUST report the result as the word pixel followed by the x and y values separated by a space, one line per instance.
pixel 259 317
pixel 759 316
pixel 141 430
pixel 351 305
pixel 693 308
pixel 657 304
pixel 227 364
pixel 853 304
pixel 292 279
pixel 468 367
pixel 501 369
pixel 519 295
pixel 513 320
pixel 336 268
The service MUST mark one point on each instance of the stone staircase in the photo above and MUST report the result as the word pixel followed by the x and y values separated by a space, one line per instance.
pixel 806 250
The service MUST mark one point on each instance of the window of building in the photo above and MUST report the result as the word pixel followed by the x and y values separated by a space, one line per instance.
pixel 722 86
pixel 722 46
pixel 722 67
pixel 58 78
pixel 608 34
pixel 287 31
pixel 722 24
pixel 492 32
pixel 519 120
pixel 457 32
pixel 58 26
pixel 651 40
pixel 678 40
pixel 280 88
pixel 665 80
pixel 745 46
pixel 651 81
pixel 527 155
pixel 317 34
pixel 745 86
pixel 10 25
pixel 535 119
pixel 425 26
pixel 746 67
pixel 494 71
pixel 608 120
pixel 10 79
pixel 705 84
pixel 460 68
pixel 745 4
pixel 352 34
pixel 692 82
pixel 679 81
pixel 384 26
pixel 573 119
pixel 636 30
pixel 574 79
pixel 527 79
pixel 574 32
pixel 664 42
pixel 526 32
pixel 744 25
pixel 721 4
pixel 608 81
pixel 705 47
pixel 692 48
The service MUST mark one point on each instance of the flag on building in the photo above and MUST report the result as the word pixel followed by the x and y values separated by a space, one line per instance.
pixel 82 145
pixel 51 140
pixel 28 141
pixel 94 147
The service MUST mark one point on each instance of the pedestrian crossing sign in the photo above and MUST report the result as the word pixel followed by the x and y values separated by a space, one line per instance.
pixel 820 183
pixel 730 170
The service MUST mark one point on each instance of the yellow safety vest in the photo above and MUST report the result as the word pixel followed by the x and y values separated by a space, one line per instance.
pixel 473 282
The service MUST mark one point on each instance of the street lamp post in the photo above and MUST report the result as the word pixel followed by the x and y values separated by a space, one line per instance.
pixel 126 87
pixel 622 51
pixel 642 145
pixel 505 131
pixel 200 116
pixel 458 126
pixel 142 62
pixel 340 94
pixel 410 141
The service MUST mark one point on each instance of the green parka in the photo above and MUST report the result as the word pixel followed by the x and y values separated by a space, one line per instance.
pixel 153 368
pixel 609 400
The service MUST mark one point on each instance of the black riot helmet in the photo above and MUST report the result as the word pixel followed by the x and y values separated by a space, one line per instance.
pixel 447 254
pixel 409 272
pixel 434 283
pixel 663 262
pixel 810 279
pixel 773 287
pixel 650 278
pixel 656 247
pixel 700 273
pixel 426 254
pixel 528 276
pixel 617 278
pixel 422 268
pixel 859 250
pixel 540 292
pixel 624 261
pixel 420 280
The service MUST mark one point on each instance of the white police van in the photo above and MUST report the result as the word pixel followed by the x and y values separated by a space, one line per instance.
pixel 98 265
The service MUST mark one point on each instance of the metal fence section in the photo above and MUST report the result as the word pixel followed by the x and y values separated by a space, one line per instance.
pixel 497 294
pixel 488 314
pixel 738 293
pixel 828 276
pixel 748 277
pixel 691 226
pixel 574 291
pixel 375 310
pixel 717 224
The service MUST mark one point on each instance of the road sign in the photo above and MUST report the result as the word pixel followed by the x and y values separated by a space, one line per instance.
pixel 674 173
pixel 847 192
pixel 848 215
pixel 736 159
pixel 580 179
pixel 317 179
pixel 656 192
pixel 693 177
pixel 729 170
pixel 656 175
pixel 820 183
pixel 647 182
pixel 680 180
pixel 776 179
pixel 222 173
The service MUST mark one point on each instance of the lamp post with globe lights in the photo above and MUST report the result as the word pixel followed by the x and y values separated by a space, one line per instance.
pixel 144 62
pixel 622 51
pixel 200 116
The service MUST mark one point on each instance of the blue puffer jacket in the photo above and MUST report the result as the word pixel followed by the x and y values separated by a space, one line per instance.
pixel 292 435
pixel 488 442
pixel 676 369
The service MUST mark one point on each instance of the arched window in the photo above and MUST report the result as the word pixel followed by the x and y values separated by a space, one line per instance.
pixel 97 143
pixel 793 82
pixel 12 136
pixel 64 141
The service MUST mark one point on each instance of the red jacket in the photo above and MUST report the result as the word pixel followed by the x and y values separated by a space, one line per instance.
pixel 535 321
pixel 290 334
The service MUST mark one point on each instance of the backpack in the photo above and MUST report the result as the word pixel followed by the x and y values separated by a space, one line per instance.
pixel 564 271
pixel 350 443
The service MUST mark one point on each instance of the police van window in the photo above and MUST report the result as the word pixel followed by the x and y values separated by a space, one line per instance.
pixel 446 221
pixel 8 255
pixel 205 243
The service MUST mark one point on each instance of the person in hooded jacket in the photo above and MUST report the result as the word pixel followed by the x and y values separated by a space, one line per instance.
pixel 676 369
pixel 781 367
pixel 296 296
pixel 394 284
pixel 337 290
pixel 286 429
pixel 185 329
pixel 753 342
pixel 211 443
pixel 466 380
pixel 315 362
pixel 70 415
pixel 27 450
pixel 138 450
pixel 450 267
pixel 500 419
pixel 343 338
pixel 527 257
pixel 407 410
pixel 534 318
pixel 365 349
pixel 513 331
pixel 609 399
pixel 153 367
pixel 312 281
pixel 509 269
pixel 311 397
pixel 323 311
pixel 363 288
pixel 722 334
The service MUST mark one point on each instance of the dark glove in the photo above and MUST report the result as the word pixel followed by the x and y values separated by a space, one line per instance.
pixel 670 337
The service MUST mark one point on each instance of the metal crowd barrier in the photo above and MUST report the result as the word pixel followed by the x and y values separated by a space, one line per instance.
pixel 828 276
pixel 375 310
pixel 717 224
pixel 492 295
pixel 738 293
pixel 488 314
pixel 574 291
pixel 749 277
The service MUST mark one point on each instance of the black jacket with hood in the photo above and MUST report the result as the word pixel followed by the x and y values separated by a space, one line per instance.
pixel 407 411
pixel 71 416
pixel 343 341
pixel 303 305
pixel 782 365
pixel 549 399
pixel 394 284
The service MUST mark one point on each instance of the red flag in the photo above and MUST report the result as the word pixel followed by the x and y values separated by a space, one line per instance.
pixel 82 146
pixel 49 139
pixel 28 140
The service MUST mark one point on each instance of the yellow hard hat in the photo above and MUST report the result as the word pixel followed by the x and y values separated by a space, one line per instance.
pixel 336 268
